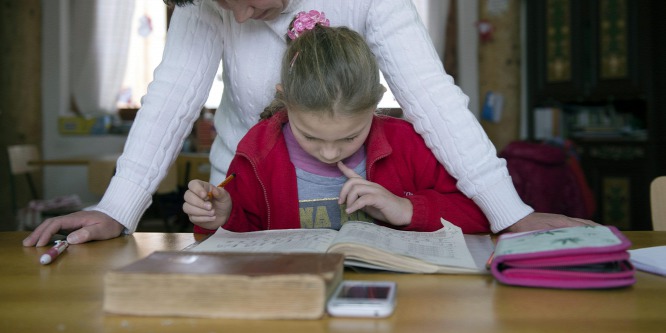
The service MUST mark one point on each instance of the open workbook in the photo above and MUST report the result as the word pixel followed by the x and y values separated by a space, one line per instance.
pixel 368 245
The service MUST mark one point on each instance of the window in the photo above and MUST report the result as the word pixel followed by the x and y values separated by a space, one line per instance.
pixel 147 38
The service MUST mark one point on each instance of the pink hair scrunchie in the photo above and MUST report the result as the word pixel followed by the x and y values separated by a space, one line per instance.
pixel 307 21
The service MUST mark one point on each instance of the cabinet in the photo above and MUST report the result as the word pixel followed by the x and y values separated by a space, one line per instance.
pixel 617 170
pixel 587 50
pixel 599 64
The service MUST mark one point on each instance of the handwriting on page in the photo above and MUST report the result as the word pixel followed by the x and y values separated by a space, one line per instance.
pixel 299 240
pixel 440 247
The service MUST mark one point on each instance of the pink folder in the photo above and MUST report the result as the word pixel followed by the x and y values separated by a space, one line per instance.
pixel 566 258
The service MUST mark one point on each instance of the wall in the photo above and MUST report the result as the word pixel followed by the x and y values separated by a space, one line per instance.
pixel 55 94
pixel 500 67
pixel 20 93
pixel 33 91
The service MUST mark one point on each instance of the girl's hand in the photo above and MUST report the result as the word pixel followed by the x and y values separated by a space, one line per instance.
pixel 204 211
pixel 374 199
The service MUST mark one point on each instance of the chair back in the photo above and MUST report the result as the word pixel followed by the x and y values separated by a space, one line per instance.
pixel 19 166
pixel 19 156
pixel 658 203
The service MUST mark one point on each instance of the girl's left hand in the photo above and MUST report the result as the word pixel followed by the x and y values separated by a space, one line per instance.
pixel 374 199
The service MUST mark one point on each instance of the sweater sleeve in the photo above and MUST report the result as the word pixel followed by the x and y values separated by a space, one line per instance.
pixel 174 99
pixel 438 109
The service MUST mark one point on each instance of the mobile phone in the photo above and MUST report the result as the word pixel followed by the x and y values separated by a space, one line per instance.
pixel 363 299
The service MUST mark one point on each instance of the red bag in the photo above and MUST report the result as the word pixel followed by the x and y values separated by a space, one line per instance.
pixel 549 179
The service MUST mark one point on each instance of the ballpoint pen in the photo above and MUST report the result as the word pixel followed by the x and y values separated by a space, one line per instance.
pixel 53 252
pixel 222 184
pixel 489 262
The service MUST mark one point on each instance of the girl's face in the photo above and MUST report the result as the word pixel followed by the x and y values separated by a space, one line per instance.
pixel 330 138
pixel 263 10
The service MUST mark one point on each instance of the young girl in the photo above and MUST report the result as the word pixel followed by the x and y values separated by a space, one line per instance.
pixel 321 156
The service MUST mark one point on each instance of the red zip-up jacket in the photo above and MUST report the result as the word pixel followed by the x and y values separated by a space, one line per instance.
pixel 265 196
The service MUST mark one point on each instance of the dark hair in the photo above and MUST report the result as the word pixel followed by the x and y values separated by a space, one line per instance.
pixel 330 70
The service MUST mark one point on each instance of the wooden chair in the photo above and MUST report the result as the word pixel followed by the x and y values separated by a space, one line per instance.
pixel 19 156
pixel 658 203
pixel 20 168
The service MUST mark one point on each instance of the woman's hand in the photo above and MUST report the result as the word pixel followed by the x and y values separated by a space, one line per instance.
pixel 84 226
pixel 539 221
pixel 358 193
pixel 209 212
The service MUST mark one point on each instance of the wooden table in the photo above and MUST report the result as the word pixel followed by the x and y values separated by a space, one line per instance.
pixel 66 296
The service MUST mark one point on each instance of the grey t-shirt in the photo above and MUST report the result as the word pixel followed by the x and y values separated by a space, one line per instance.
pixel 318 200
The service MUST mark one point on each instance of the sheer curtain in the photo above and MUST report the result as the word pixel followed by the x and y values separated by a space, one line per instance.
pixel 434 14
pixel 100 38
pixel 99 41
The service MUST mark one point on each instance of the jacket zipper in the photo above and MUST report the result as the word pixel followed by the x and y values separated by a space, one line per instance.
pixel 263 188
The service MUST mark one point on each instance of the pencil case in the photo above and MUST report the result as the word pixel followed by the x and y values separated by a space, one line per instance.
pixel 565 258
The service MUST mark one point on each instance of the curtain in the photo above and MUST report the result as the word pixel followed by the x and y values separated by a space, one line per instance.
pixel 99 40
pixel 450 57
pixel 434 14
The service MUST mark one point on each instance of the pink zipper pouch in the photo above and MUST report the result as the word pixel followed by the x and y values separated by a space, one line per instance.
pixel 566 258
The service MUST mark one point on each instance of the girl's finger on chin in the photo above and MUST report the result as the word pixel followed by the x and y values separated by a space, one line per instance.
pixel 347 171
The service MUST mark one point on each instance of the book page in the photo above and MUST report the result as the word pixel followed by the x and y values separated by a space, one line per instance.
pixel 650 259
pixel 284 241
pixel 481 247
pixel 444 247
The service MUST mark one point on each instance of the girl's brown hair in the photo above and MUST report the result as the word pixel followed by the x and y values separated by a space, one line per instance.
pixel 328 69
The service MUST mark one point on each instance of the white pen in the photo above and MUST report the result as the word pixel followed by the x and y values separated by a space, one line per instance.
pixel 53 252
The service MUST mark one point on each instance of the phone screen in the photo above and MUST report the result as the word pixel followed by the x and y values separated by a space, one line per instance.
pixel 364 292
pixel 363 299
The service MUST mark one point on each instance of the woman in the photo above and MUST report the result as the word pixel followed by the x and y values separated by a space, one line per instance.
pixel 246 35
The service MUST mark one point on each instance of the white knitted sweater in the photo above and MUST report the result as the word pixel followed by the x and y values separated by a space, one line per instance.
pixel 200 35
